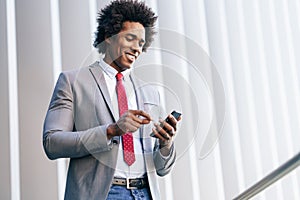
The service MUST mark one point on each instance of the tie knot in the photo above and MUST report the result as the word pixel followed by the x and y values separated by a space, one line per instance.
pixel 119 76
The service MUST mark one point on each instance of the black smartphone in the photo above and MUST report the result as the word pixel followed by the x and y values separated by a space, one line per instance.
pixel 175 114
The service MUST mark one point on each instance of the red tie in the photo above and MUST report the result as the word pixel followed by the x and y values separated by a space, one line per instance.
pixel 127 138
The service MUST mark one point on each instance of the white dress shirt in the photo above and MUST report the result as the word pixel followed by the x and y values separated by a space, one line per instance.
pixel 138 168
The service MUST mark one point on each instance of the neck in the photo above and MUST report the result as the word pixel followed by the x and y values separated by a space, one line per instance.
pixel 112 63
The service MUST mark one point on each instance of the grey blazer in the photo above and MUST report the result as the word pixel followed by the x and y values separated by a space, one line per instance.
pixel 75 128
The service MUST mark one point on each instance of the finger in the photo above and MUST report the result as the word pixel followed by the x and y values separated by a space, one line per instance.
pixel 172 121
pixel 129 115
pixel 139 120
pixel 141 113
pixel 134 123
pixel 167 127
pixel 162 132
pixel 179 118
pixel 156 134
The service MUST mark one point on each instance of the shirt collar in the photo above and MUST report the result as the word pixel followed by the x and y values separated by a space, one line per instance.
pixel 112 72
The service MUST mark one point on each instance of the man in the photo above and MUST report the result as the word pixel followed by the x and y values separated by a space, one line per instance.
pixel 101 116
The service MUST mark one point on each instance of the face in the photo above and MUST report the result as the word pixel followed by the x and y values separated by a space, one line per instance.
pixel 125 47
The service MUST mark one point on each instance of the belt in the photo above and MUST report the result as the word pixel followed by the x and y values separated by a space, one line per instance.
pixel 131 183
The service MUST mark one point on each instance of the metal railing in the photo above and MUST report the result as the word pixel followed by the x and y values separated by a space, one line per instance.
pixel 275 175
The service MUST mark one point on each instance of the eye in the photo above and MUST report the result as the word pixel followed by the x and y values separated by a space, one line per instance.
pixel 129 38
pixel 141 43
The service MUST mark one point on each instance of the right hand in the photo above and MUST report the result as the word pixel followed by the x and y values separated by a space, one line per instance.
pixel 128 122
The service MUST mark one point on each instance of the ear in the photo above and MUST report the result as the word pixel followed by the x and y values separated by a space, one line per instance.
pixel 108 39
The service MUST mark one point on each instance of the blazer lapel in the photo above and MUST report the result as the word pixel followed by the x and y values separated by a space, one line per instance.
pixel 98 75
pixel 138 92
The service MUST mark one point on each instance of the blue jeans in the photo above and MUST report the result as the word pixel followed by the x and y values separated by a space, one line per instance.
pixel 117 192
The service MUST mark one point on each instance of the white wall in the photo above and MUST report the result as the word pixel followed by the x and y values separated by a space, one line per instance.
pixel 253 45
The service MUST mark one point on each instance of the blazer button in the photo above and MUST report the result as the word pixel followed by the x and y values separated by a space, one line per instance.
pixel 115 141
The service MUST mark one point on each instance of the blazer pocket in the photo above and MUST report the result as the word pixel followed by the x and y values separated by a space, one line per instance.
pixel 153 109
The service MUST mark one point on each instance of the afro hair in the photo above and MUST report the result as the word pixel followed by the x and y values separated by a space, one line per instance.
pixel 111 18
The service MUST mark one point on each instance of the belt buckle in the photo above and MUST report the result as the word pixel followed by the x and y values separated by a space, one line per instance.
pixel 128 185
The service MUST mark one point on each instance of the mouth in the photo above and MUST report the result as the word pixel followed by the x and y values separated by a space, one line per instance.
pixel 131 56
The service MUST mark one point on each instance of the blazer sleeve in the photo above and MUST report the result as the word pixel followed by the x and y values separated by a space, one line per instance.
pixel 163 164
pixel 60 139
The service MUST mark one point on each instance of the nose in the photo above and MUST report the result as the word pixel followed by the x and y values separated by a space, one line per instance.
pixel 136 47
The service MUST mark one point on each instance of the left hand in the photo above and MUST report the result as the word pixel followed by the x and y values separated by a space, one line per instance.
pixel 165 131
